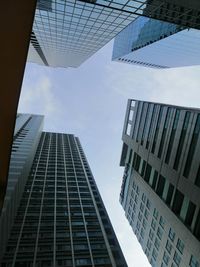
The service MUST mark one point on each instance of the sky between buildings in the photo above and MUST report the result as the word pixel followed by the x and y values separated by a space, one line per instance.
pixel 90 102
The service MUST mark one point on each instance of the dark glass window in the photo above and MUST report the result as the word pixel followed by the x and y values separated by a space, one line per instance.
pixel 166 124
pixel 160 186
pixel 169 194
pixel 194 262
pixel 136 119
pixel 180 246
pixel 157 129
pixel 143 168
pixel 177 258
pixel 171 234
pixel 147 173
pixel 181 140
pixel 140 122
pixel 172 136
pixel 192 148
pixel 151 126
pixel 145 126
pixel 169 247
pixel 178 201
pixel 190 214
pixel 197 227
pixel 137 164
pixel 197 180
pixel 155 178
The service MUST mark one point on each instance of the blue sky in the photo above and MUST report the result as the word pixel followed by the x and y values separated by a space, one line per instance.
pixel 90 102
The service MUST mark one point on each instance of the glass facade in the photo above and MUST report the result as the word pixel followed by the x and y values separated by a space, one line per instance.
pixel 61 219
pixel 166 198
pixel 66 33
pixel 157 44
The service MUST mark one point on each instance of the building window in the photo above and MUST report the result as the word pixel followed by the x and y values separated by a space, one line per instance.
pixel 159 233
pixel 180 246
pixel 166 258
pixel 142 168
pixel 154 254
pixel 171 234
pixel 172 136
pixel 153 224
pixel 192 148
pixel 151 235
pixel 160 186
pixel 197 180
pixel 80 262
pixel 178 201
pixel 155 178
pixel 155 213
pixel 181 140
pixel 140 216
pixel 162 222
pixel 151 126
pixel 144 198
pixel 157 129
pixel 194 262
pixel 146 214
pixel 162 141
pixel 148 204
pixel 141 207
pixel 142 233
pixel 147 173
pixel 169 194
pixel 168 247
pixel 177 258
pixel 157 244
pixel 149 245
pixel 144 223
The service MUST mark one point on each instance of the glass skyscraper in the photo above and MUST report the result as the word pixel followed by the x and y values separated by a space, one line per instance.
pixel 61 219
pixel 67 32
pixel 157 44
pixel 161 182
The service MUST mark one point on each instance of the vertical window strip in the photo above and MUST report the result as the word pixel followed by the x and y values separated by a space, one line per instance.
pixel 157 129
pixel 166 124
pixel 172 136
pixel 151 126
pixel 145 124
pixel 136 119
pixel 181 140
pixel 192 148
pixel 141 125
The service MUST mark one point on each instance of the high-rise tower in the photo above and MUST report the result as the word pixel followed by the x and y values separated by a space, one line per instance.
pixel 61 219
pixel 28 129
pixel 157 44
pixel 161 183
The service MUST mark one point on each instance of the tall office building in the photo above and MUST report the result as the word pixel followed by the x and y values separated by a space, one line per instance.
pixel 161 183
pixel 28 129
pixel 66 33
pixel 153 43
pixel 61 219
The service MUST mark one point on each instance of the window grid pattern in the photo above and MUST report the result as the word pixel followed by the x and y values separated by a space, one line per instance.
pixel 66 33
pixel 61 220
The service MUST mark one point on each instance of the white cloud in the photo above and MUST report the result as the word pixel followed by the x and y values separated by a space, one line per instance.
pixel 38 97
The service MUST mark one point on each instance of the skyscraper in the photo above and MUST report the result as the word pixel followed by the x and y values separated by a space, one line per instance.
pixel 66 33
pixel 61 219
pixel 28 129
pixel 157 44
pixel 161 183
